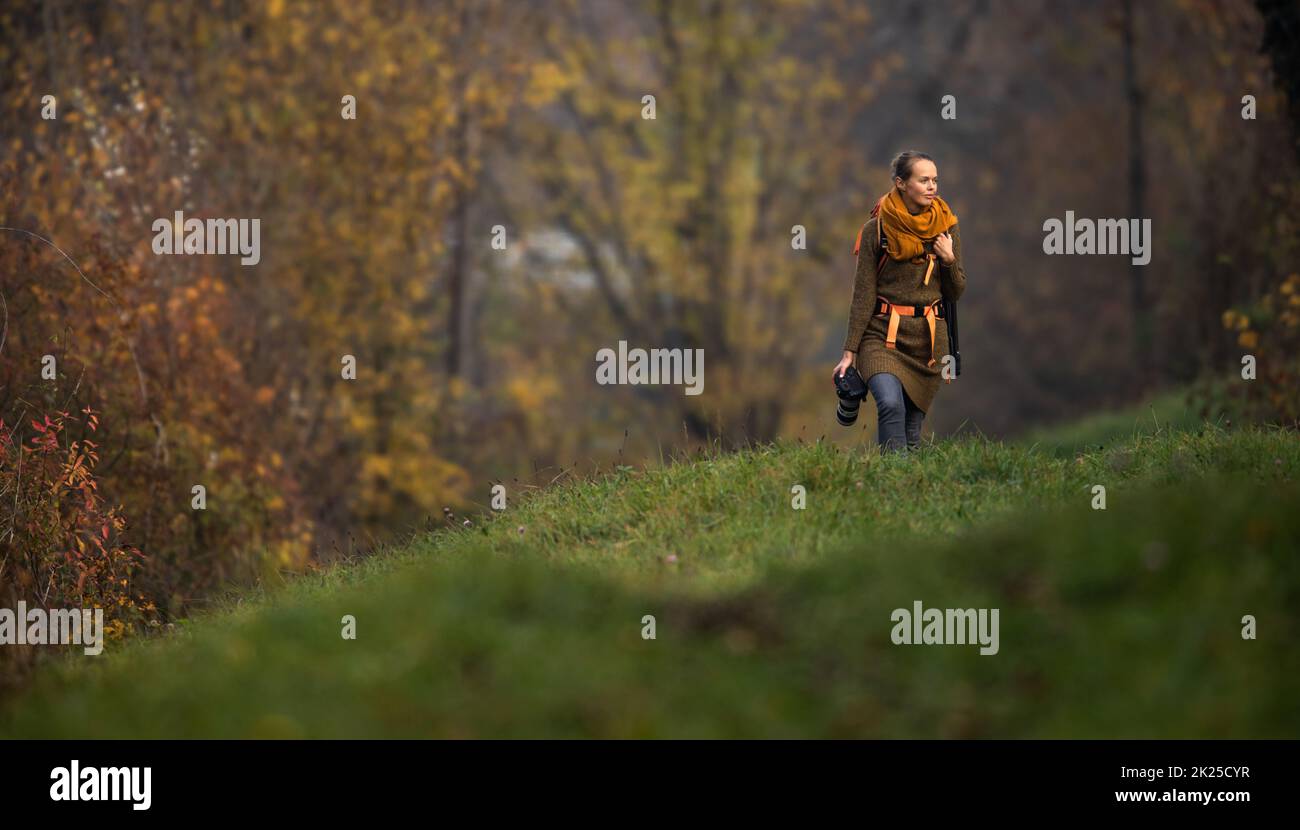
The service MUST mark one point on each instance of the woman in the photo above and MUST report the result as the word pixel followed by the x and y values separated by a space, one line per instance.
pixel 895 331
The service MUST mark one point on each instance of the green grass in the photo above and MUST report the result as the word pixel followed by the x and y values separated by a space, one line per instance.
pixel 772 621
pixel 1165 412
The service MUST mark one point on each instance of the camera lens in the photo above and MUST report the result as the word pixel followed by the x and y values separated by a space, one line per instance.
pixel 847 412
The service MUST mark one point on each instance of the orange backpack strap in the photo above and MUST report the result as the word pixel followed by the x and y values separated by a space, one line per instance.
pixel 857 245
pixel 891 335
pixel 884 246
pixel 880 230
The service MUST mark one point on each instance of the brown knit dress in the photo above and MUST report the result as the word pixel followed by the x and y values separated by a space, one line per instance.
pixel 901 282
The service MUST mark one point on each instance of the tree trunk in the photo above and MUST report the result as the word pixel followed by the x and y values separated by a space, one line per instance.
pixel 1282 43
pixel 1142 357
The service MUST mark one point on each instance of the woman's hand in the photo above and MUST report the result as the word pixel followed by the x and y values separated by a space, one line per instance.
pixel 845 363
pixel 943 247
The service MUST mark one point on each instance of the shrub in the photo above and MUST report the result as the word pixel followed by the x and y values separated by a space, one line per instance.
pixel 61 545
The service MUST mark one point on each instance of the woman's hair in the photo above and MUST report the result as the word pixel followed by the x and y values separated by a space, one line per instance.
pixel 902 164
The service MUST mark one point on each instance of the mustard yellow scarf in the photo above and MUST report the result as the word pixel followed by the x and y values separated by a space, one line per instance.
pixel 906 234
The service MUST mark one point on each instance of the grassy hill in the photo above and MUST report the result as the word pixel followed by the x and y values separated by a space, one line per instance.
pixel 772 621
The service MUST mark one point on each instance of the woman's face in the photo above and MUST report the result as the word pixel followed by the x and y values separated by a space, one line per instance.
pixel 919 191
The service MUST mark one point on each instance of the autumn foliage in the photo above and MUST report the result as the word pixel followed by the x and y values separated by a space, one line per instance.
pixel 1267 333
pixel 63 545
pixel 128 380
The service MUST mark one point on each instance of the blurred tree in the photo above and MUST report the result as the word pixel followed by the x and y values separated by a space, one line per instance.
pixel 682 222
pixel 234 110
pixel 1282 43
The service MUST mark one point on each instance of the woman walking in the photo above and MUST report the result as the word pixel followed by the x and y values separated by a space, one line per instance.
pixel 896 332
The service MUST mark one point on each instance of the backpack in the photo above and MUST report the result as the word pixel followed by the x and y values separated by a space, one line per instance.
pixel 949 305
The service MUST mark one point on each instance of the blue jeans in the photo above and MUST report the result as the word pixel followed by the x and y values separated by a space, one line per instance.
pixel 898 420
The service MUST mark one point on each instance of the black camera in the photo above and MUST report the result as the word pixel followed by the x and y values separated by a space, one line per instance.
pixel 851 389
